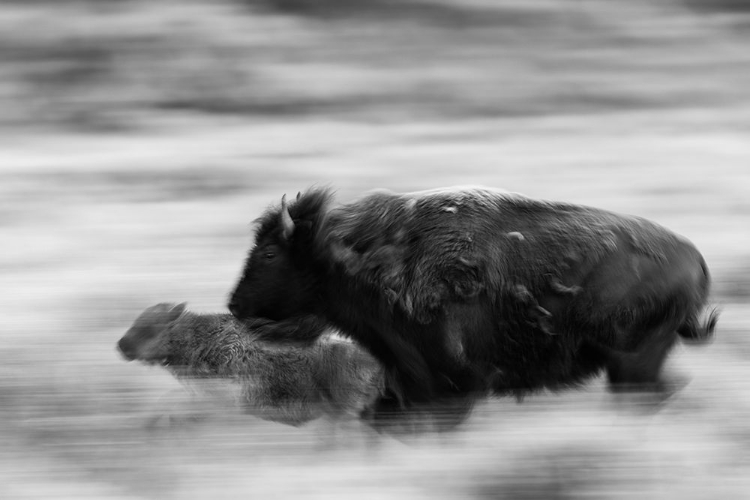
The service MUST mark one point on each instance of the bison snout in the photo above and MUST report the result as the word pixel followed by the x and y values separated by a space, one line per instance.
pixel 235 308
pixel 126 349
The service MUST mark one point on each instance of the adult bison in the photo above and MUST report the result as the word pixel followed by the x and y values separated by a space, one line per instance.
pixel 465 291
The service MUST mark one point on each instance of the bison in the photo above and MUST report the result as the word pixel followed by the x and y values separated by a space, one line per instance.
pixel 290 383
pixel 464 292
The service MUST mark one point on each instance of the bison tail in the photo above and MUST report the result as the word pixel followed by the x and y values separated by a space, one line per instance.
pixel 696 331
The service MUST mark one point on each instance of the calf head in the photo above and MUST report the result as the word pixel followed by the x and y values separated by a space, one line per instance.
pixel 146 339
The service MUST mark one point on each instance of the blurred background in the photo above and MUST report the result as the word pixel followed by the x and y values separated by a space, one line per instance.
pixel 139 139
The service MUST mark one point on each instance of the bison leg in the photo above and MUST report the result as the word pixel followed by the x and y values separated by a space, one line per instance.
pixel 640 371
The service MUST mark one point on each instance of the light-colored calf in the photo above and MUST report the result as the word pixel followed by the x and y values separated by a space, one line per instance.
pixel 288 383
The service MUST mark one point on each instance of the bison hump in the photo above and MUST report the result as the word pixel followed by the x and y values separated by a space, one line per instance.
pixel 419 254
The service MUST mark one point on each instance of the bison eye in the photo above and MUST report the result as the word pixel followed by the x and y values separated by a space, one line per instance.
pixel 269 255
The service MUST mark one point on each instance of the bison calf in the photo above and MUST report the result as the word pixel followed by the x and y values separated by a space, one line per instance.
pixel 288 383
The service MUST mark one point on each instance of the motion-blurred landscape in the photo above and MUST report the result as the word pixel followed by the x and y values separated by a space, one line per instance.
pixel 141 138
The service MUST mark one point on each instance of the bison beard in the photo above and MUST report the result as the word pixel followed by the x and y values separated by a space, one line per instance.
pixel 465 292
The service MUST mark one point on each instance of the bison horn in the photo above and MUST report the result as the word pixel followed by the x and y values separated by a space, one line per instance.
pixel 176 312
pixel 287 224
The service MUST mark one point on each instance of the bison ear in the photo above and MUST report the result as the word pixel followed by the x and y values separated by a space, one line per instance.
pixel 287 224
pixel 176 312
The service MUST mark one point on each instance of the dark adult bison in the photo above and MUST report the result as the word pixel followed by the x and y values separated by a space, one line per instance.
pixel 463 292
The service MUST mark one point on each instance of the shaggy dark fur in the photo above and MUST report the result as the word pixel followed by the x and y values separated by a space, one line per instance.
pixel 461 292
pixel 288 383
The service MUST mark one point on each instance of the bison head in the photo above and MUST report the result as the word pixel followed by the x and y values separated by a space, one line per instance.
pixel 146 339
pixel 278 280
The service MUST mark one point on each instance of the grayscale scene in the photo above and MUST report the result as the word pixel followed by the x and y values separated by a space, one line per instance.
pixel 375 249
